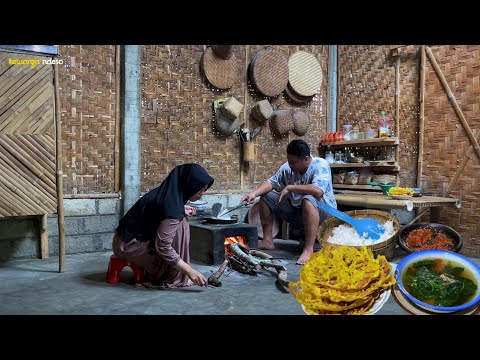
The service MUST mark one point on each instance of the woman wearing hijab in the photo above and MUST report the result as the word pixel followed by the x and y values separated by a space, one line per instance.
pixel 155 233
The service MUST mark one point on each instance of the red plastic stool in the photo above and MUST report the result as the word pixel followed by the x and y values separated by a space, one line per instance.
pixel 115 267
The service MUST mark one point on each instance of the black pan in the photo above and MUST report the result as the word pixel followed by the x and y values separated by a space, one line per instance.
pixel 213 220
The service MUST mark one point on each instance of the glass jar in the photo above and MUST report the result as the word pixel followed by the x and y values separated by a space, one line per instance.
pixel 329 157
pixel 339 157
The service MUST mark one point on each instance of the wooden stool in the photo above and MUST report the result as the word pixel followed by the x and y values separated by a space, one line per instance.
pixel 115 267
pixel 285 230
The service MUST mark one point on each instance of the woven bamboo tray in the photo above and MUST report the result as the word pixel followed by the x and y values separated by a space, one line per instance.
pixel 304 73
pixel 385 248
pixel 269 72
pixel 293 96
pixel 219 72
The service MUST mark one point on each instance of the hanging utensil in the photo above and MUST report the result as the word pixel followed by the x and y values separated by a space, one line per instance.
pixel 255 132
pixel 216 208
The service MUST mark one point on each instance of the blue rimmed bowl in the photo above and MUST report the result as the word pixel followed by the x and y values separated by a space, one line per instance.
pixel 471 271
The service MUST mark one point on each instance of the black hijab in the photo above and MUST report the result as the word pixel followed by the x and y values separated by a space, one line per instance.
pixel 165 201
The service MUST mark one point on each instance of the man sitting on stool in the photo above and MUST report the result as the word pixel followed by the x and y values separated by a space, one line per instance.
pixel 293 194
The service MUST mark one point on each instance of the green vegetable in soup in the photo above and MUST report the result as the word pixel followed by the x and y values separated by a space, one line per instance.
pixel 438 287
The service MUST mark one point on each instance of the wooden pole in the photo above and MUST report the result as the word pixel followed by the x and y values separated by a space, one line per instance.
pixel 117 119
pixel 44 237
pixel 452 99
pixel 242 164
pixel 466 157
pixel 397 108
pixel 60 215
pixel 421 129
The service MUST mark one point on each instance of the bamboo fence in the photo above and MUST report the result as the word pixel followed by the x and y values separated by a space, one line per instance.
pixel 27 161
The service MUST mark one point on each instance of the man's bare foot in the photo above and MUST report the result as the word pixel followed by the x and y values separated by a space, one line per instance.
pixel 266 245
pixel 306 254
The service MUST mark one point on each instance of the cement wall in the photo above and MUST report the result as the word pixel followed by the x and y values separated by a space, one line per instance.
pixel 89 227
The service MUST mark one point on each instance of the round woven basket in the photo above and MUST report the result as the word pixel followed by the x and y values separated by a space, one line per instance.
pixel 304 73
pixel 224 51
pixel 262 112
pixel 301 122
pixel 293 96
pixel 269 72
pixel 219 72
pixel 385 248
pixel 281 122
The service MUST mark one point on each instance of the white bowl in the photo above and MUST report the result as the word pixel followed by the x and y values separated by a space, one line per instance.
pixel 456 258
pixel 201 205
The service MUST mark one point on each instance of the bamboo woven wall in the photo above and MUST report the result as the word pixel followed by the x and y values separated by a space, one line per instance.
pixel 446 142
pixel 177 118
pixel 366 86
pixel 87 104
pixel 409 108
pixel 27 146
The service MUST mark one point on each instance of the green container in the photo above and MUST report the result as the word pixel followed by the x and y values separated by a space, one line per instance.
pixel 385 187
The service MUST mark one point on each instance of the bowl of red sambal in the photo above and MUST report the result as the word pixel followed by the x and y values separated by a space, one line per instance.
pixel 439 281
pixel 429 236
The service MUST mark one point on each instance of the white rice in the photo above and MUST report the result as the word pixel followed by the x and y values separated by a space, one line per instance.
pixel 346 234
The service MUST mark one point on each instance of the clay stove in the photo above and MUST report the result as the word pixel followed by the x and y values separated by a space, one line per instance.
pixel 207 241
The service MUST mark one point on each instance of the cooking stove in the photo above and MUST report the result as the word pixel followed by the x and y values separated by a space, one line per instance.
pixel 207 241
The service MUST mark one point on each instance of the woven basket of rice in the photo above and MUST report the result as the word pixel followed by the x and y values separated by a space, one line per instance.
pixel 301 122
pixel 385 248
pixel 281 122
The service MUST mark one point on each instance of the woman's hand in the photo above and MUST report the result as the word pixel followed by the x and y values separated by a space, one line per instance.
pixel 197 278
pixel 190 210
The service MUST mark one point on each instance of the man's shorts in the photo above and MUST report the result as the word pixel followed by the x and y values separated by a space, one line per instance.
pixel 286 211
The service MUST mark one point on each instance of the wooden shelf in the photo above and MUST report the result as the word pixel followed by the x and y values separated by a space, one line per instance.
pixel 390 141
pixel 356 187
pixel 387 167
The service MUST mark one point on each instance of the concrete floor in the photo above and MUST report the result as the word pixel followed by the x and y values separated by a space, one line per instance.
pixel 34 286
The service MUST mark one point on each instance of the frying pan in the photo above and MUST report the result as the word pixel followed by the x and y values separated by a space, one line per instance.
pixel 214 220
